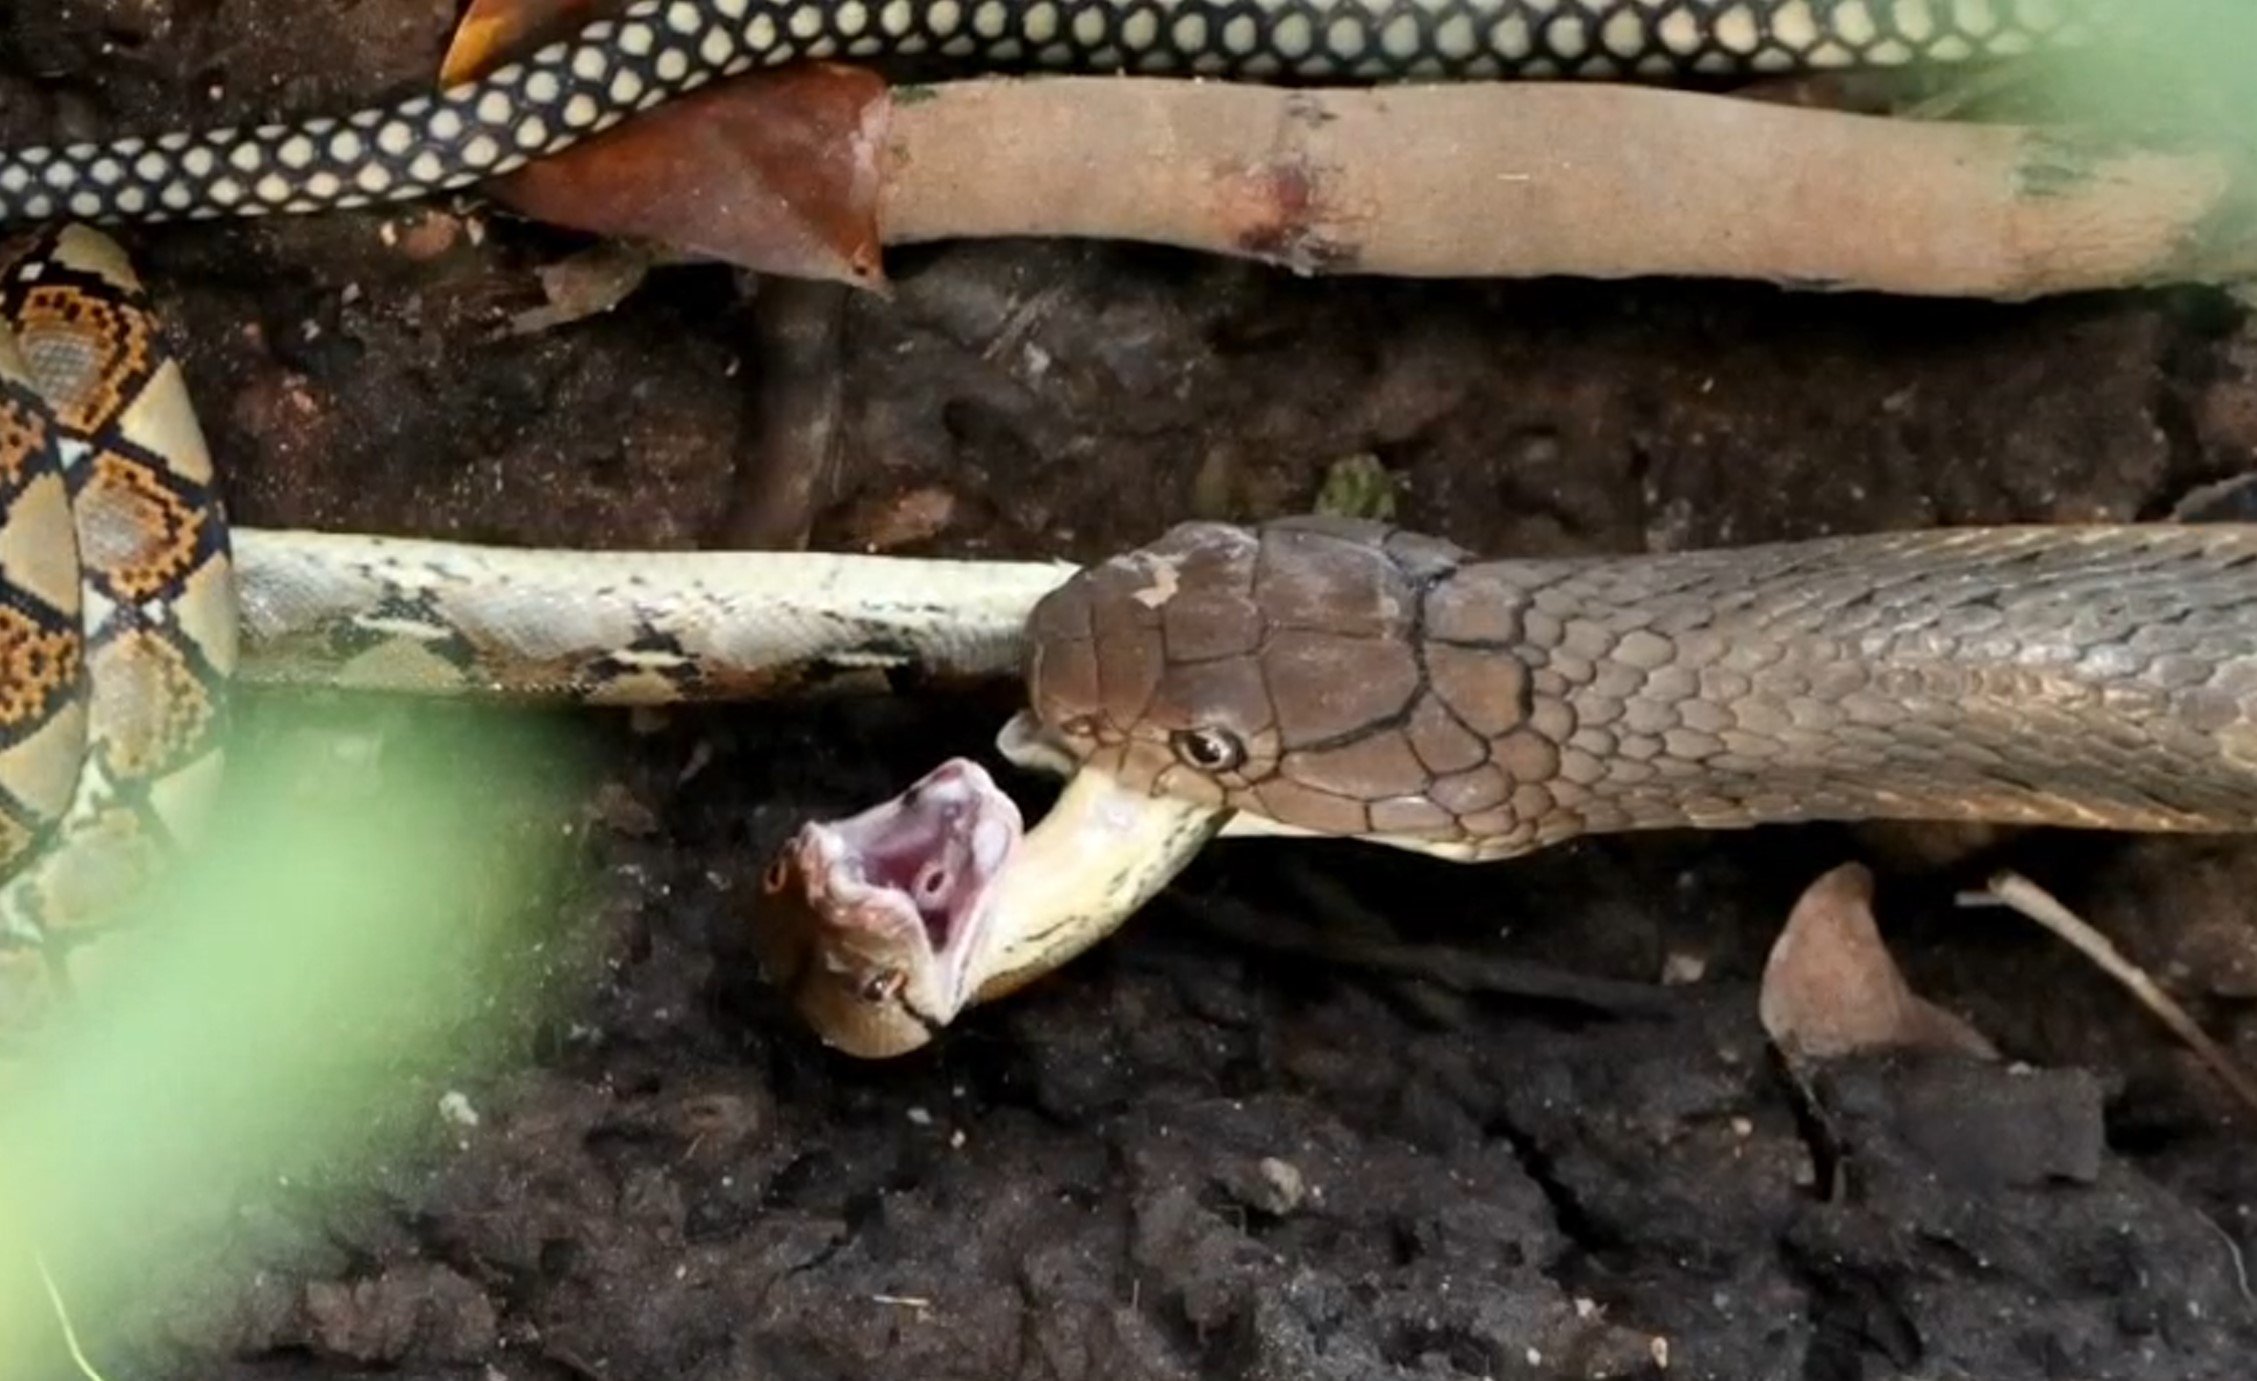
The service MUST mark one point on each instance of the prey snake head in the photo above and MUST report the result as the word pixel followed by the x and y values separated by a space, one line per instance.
pixel 883 927
pixel 869 923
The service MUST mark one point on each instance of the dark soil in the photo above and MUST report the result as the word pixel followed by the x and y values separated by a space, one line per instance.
pixel 1196 1152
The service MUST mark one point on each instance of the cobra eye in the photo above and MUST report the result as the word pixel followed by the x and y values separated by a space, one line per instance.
pixel 1208 749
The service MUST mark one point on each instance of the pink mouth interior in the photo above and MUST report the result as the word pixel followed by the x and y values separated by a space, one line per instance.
pixel 937 847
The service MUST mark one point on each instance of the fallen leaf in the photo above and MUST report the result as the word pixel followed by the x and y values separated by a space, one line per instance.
pixel 1358 486
pixel 1831 989
pixel 493 32
pixel 616 807
pixel 425 236
pixel 583 285
pixel 777 173
pixel 901 520
pixel 1926 846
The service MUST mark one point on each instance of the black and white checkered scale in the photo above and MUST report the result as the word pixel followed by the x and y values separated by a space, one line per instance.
pixel 660 49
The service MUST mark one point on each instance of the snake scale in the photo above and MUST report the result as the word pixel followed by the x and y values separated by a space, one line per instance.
pixel 1465 709
pixel 115 689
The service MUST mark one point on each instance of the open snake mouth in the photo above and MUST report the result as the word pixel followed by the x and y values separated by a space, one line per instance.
pixel 873 922
pixel 931 854
pixel 883 927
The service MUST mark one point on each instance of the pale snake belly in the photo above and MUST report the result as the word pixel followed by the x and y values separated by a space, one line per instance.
pixel 120 609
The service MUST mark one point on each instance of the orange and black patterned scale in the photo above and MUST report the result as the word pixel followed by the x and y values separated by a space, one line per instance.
pixel 151 627
pixel 42 650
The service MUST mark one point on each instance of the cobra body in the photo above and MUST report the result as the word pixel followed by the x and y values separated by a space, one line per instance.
pixel 1316 677
pixel 659 49
pixel 1345 679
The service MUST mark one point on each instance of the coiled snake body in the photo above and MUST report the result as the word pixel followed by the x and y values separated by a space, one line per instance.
pixel 117 611
pixel 1303 681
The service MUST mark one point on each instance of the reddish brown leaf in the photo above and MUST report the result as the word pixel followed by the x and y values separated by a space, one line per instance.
pixel 777 173
pixel 1831 989
pixel 902 520
pixel 494 31
pixel 582 285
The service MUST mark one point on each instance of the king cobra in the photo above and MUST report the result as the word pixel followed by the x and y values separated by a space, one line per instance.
pixel 125 602
pixel 1333 678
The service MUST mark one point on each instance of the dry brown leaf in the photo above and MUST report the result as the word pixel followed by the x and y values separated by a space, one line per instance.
pixel 1831 989
pixel 583 285
pixel 777 173
pixel 494 31
pixel 901 520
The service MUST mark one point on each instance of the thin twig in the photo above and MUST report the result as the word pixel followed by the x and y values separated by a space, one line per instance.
pixel 792 471
pixel 63 1317
pixel 2233 1254
pixel 2021 894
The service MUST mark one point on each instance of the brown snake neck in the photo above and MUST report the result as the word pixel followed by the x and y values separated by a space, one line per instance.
pixel 1375 682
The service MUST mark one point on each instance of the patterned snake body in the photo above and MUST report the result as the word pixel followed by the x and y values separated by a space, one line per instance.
pixel 613 628
pixel 659 49
pixel 122 603
pixel 123 697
